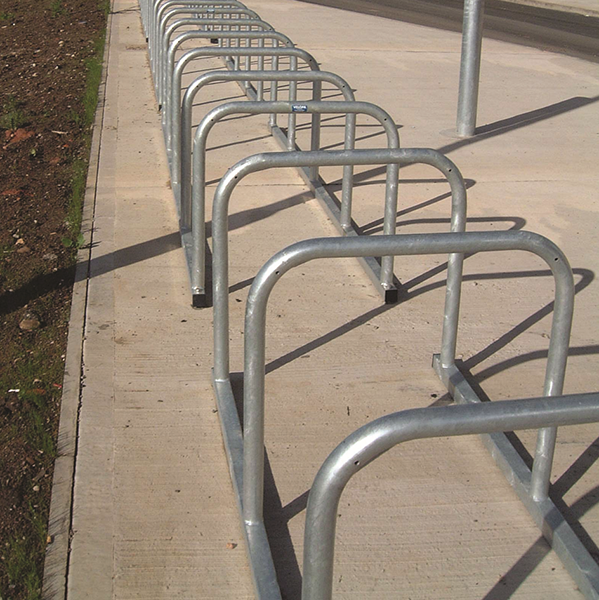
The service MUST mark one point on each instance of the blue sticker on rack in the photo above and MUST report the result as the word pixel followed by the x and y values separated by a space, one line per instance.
pixel 299 108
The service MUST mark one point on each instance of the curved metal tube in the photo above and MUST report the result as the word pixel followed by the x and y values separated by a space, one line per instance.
pixel 235 52
pixel 182 147
pixel 228 14
pixel 160 8
pixel 170 113
pixel 169 63
pixel 374 439
pixel 398 245
pixel 165 34
pixel 259 162
pixel 149 8
pixel 328 107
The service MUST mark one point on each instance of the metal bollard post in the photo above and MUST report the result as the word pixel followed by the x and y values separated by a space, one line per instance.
pixel 470 66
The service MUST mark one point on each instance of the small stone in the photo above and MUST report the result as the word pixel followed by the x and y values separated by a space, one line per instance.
pixel 50 256
pixel 49 539
pixel 20 242
pixel 36 488
pixel 23 250
pixel 29 322
pixel 231 545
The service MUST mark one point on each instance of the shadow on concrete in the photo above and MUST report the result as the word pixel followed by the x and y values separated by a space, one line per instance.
pixel 42 284
pixel 491 130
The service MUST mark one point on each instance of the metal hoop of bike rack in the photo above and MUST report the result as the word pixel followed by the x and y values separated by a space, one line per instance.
pixel 223 21
pixel 246 452
pixel 384 274
pixel 162 50
pixel 489 419
pixel 170 113
pixel 182 132
pixel 232 62
pixel 176 79
pixel 151 7
pixel 208 8
pixel 200 13
pixel 259 162
pixel 262 36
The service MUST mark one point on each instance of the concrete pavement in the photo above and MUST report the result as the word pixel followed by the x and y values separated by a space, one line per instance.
pixel 153 513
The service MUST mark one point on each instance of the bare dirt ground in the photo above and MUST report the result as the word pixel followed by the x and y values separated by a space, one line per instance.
pixel 48 66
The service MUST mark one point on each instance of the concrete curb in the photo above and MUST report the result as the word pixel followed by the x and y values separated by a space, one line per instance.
pixel 59 527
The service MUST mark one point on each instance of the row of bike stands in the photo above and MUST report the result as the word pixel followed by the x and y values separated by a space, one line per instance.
pixel 244 443
pixel 168 74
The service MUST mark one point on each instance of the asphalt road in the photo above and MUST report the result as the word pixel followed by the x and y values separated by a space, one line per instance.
pixel 553 30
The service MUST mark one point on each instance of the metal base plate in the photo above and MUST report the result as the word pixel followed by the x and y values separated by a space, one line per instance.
pixel 258 549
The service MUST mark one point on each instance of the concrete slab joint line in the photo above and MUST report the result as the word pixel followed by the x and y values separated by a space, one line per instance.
pixel 55 580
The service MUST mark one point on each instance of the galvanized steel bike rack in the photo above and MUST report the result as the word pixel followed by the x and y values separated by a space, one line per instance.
pixel 169 73
pixel 150 8
pixel 489 419
pixel 260 162
pixel 162 51
pixel 261 36
pixel 383 275
pixel 209 8
pixel 182 130
pixel 200 13
pixel 173 127
pixel 246 448
pixel 230 20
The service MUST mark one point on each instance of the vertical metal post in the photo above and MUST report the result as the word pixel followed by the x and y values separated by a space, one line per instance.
pixel 274 87
pixel 315 128
pixel 292 98
pixel 260 84
pixel 347 183
pixel 472 34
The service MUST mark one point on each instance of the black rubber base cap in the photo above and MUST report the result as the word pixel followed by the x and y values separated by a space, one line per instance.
pixel 199 301
pixel 214 40
pixel 392 296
